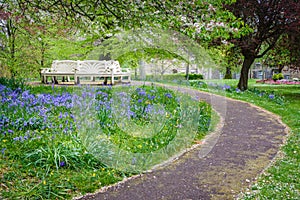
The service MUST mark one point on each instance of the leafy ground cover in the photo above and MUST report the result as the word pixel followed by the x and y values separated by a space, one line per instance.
pixel 57 143
pixel 281 180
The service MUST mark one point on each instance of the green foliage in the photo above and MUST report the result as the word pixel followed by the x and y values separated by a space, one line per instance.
pixel 278 76
pixel 275 77
pixel 228 76
pixel 195 76
pixel 197 84
pixel 13 83
pixel 45 155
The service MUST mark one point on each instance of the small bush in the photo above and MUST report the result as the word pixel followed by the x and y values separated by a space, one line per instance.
pixel 228 76
pixel 198 84
pixel 275 77
pixel 13 83
pixel 280 76
pixel 195 77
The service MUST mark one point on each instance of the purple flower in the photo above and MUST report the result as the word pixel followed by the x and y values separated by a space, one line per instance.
pixel 226 87
pixel 168 95
pixel 3 151
pixel 62 164
pixel 18 138
pixel 142 93
pixel 151 97
pixel 271 96
pixel 148 108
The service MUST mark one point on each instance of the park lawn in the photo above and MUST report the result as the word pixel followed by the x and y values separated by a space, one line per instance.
pixel 46 154
pixel 281 180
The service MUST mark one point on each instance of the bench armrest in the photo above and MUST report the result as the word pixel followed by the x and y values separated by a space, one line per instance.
pixel 45 70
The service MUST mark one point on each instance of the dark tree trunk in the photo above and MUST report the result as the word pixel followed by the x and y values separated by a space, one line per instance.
pixel 243 82
pixel 280 68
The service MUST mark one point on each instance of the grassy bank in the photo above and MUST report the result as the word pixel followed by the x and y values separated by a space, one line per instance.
pixel 61 142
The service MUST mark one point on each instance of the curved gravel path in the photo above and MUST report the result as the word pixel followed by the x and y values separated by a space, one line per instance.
pixel 248 140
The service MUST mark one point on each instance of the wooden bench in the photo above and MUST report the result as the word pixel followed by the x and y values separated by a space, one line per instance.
pixel 87 68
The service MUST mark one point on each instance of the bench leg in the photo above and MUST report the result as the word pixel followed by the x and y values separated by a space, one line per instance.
pixel 55 80
pixel 77 80
pixel 43 80
pixel 105 81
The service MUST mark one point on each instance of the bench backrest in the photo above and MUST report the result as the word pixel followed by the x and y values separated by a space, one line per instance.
pixel 67 66
pixel 93 67
pixel 87 66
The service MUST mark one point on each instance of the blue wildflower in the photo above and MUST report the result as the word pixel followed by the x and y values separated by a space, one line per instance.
pixel 142 93
pixel 3 151
pixel 226 87
pixel 168 95
pixel 151 97
pixel 148 108
pixel 62 163
pixel 271 96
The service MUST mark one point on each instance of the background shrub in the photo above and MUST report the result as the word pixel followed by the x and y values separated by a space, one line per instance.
pixel 275 77
pixel 280 76
pixel 195 77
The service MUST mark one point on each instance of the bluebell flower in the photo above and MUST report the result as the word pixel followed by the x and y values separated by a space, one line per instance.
pixel 62 164
pixel 148 109
pixel 168 95
pixel 18 138
pixel 142 93
pixel 226 87
pixel 151 97
pixel 3 151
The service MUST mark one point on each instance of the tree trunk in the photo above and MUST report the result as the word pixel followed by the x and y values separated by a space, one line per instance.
pixel 243 82
pixel 280 68
pixel 187 71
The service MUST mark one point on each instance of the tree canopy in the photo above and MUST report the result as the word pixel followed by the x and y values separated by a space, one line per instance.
pixel 269 20
pixel 247 27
